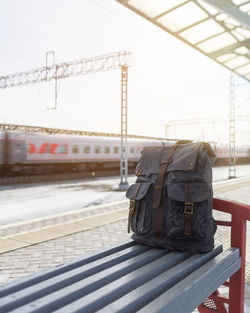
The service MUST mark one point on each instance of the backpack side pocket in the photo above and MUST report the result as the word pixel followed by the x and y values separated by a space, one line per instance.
pixel 189 214
pixel 140 209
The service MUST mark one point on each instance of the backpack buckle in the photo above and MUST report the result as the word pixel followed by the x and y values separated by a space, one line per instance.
pixel 132 206
pixel 189 208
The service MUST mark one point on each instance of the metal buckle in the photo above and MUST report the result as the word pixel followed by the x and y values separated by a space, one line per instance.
pixel 132 204
pixel 139 172
pixel 158 187
pixel 189 208
pixel 132 207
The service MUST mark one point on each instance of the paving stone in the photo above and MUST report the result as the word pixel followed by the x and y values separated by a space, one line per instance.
pixel 4 277
pixel 50 253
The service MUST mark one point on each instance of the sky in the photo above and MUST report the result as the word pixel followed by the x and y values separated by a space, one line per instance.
pixel 167 80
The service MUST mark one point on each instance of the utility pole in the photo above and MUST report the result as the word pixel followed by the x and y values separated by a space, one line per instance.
pixel 56 88
pixel 124 129
pixel 232 155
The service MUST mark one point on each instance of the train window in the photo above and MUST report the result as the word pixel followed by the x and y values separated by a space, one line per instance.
pixel 97 149
pixel 116 150
pixel 107 150
pixel 17 148
pixel 86 149
pixel 75 149
pixel 132 150
pixel 62 149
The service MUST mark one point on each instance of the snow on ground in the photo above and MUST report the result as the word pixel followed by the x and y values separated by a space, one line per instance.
pixel 22 202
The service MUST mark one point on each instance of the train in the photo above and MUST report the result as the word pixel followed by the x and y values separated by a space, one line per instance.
pixel 36 153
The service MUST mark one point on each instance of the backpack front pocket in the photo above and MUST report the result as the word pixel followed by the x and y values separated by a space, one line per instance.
pixel 188 208
pixel 140 210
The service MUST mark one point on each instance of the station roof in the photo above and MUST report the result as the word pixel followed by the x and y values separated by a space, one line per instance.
pixel 220 29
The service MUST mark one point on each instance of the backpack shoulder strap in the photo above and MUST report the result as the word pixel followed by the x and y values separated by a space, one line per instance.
pixel 167 159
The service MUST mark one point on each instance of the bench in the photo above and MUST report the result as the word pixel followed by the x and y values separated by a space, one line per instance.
pixel 135 278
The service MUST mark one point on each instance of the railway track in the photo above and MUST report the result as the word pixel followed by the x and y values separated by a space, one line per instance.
pixel 39 178
pixel 13 180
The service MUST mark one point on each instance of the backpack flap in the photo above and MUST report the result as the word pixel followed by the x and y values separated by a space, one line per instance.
pixel 188 192
pixel 184 158
pixel 149 162
pixel 137 191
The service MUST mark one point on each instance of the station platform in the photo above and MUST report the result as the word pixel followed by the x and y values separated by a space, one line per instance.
pixel 40 243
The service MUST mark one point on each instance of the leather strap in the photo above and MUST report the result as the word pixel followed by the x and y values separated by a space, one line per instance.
pixel 161 175
pixel 188 211
pixel 159 182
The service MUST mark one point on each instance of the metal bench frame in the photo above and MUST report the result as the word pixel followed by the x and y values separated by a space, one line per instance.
pixel 134 278
pixel 240 214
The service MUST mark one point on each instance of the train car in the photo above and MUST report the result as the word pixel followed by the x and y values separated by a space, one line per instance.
pixel 2 150
pixel 50 153
pixel 33 153
pixel 222 153
pixel 242 154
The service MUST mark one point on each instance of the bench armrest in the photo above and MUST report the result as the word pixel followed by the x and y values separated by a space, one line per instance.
pixel 240 213
pixel 242 210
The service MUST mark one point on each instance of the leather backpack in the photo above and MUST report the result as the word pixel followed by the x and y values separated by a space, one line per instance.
pixel 171 200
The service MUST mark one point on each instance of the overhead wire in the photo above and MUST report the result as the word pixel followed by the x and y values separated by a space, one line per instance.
pixel 116 15
pixel 242 103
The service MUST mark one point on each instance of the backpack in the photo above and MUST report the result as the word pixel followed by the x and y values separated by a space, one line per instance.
pixel 171 200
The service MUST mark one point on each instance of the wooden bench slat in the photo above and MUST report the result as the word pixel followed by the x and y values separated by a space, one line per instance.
pixel 110 292
pixel 209 288
pixel 191 291
pixel 42 275
pixel 155 287
pixel 43 288
pixel 70 291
